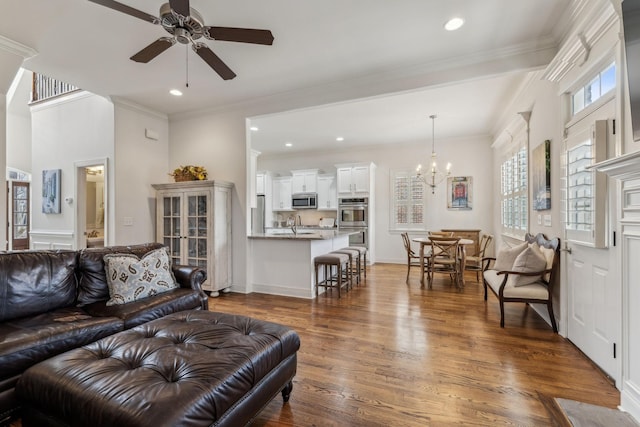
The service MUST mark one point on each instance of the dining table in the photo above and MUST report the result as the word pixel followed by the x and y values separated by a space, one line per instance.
pixel 462 243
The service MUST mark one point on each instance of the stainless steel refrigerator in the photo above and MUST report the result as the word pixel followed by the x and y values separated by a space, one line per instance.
pixel 257 216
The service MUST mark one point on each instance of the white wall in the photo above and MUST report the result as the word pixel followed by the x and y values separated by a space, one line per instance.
pixel 476 162
pixel 19 138
pixel 19 124
pixel 3 176
pixel 74 128
pixel 542 99
pixel 138 162
pixel 217 142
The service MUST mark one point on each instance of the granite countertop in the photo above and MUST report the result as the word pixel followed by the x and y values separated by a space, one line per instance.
pixel 303 234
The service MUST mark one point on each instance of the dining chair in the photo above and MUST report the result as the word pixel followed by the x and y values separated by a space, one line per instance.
pixel 444 259
pixel 440 233
pixel 474 262
pixel 413 258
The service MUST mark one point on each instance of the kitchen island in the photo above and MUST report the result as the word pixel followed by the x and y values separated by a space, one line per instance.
pixel 283 261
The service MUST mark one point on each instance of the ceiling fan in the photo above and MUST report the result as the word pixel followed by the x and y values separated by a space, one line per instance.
pixel 186 25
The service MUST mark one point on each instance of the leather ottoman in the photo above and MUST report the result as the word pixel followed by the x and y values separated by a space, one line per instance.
pixel 191 368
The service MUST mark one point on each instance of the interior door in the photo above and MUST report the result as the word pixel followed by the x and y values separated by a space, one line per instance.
pixel 593 284
pixel 19 215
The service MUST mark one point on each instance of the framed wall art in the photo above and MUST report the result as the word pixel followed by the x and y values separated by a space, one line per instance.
pixel 51 191
pixel 541 176
pixel 460 193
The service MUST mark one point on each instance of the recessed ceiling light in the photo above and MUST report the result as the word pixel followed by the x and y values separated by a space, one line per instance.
pixel 254 128
pixel 339 139
pixel 175 92
pixel 453 24
pixel 288 144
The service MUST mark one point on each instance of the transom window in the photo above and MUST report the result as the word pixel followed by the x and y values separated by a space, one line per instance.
pixel 601 84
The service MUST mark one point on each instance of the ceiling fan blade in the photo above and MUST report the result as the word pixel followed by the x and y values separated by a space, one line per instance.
pixel 242 35
pixel 181 7
pixel 154 49
pixel 111 4
pixel 214 61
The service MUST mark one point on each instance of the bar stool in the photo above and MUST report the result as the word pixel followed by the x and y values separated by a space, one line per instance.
pixel 328 262
pixel 354 263
pixel 363 257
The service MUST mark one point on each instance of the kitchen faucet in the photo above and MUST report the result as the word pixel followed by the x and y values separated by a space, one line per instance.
pixel 291 221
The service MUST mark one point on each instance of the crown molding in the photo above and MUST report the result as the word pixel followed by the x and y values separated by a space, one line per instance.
pixel 586 32
pixel 58 100
pixel 524 56
pixel 16 48
pixel 129 105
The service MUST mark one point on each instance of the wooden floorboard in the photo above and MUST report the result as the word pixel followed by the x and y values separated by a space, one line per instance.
pixel 392 354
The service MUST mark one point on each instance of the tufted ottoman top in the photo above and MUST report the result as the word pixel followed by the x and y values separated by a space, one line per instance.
pixel 187 368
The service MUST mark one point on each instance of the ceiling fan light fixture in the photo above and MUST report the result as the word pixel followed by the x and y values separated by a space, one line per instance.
pixel 175 92
pixel 186 26
pixel 182 36
pixel 454 24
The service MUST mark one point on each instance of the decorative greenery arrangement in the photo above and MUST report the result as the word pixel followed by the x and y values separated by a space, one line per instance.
pixel 189 173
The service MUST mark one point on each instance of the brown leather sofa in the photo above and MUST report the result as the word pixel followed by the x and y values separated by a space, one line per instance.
pixel 55 301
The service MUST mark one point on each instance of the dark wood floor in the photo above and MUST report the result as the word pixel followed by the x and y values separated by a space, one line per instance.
pixel 391 354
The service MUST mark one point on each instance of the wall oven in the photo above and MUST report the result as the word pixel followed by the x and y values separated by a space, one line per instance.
pixel 360 236
pixel 353 212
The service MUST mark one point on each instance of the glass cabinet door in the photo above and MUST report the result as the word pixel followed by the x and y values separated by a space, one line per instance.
pixel 197 235
pixel 171 226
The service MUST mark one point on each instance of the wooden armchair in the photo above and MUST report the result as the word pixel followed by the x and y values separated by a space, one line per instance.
pixel 518 284
pixel 474 262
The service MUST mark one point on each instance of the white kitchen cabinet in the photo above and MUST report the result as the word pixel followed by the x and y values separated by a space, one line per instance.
pixel 261 186
pixel 304 181
pixel 193 219
pixel 281 189
pixel 327 193
pixel 353 180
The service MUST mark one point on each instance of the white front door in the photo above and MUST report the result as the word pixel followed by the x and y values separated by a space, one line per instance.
pixel 593 284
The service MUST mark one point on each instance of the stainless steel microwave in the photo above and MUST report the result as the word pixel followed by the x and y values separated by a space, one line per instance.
pixel 304 201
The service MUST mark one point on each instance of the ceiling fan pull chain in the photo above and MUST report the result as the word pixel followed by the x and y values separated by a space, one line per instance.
pixel 186 47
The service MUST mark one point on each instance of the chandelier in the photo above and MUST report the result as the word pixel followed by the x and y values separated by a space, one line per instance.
pixel 434 176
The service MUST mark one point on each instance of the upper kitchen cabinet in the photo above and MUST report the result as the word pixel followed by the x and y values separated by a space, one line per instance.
pixel 327 193
pixel 263 182
pixel 355 179
pixel 281 193
pixel 304 181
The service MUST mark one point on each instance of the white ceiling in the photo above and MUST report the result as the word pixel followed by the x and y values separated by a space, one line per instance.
pixel 357 49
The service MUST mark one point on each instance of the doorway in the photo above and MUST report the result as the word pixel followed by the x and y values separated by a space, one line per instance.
pixel 18 215
pixel 593 285
pixel 91 204
pixel 94 206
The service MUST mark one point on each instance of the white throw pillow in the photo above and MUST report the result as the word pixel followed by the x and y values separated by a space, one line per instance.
pixel 548 254
pixel 506 257
pixel 529 261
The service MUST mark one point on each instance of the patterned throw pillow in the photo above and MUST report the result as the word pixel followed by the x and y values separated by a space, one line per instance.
pixel 130 278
